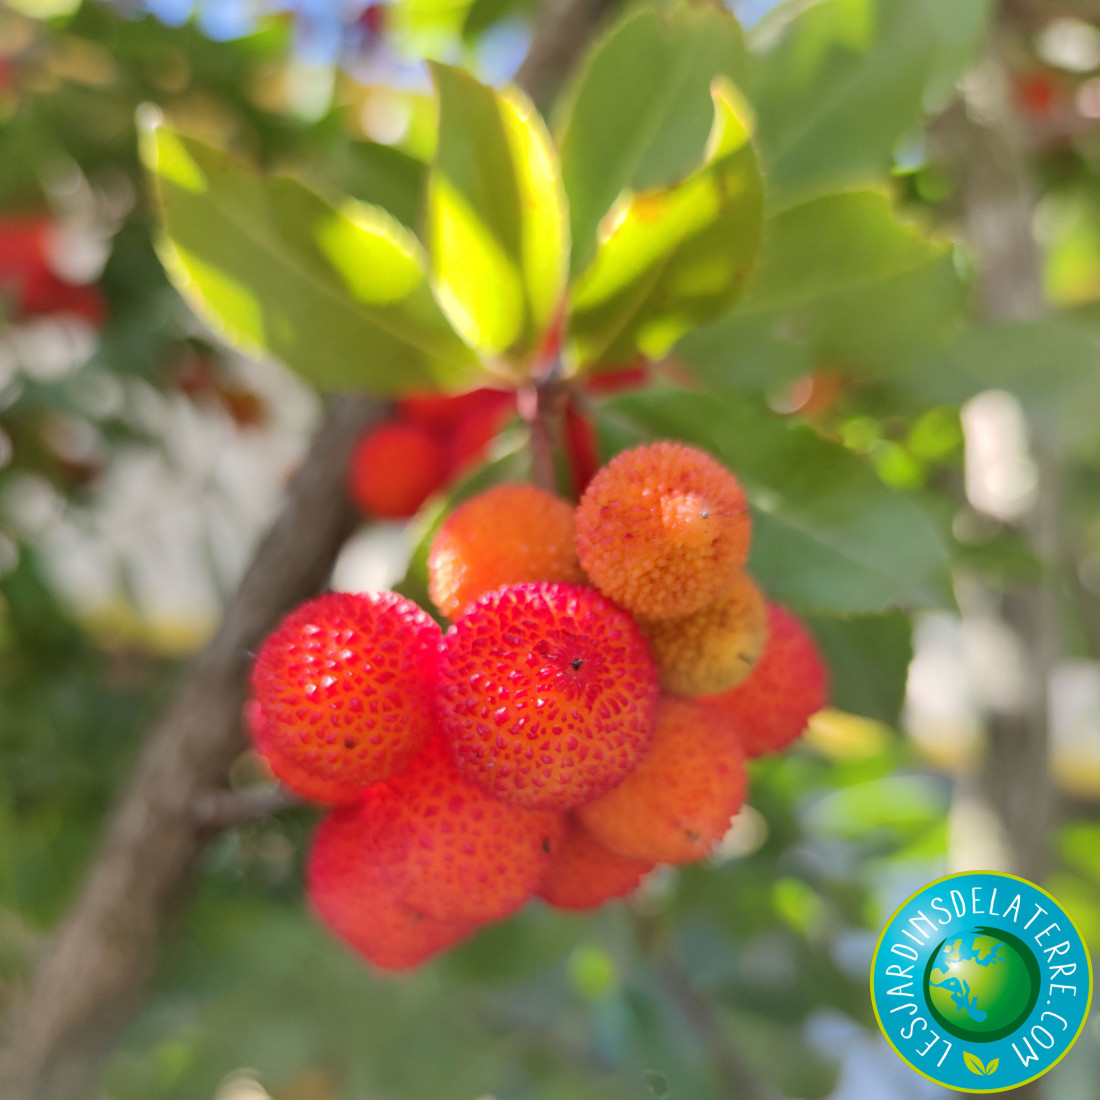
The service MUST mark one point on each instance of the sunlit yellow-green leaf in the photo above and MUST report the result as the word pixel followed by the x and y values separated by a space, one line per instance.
pixel 338 293
pixel 638 115
pixel 44 9
pixel 497 227
pixel 673 258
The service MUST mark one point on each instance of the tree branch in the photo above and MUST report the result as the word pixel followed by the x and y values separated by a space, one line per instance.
pixel 91 979
pixel 737 1076
pixel 87 984
pixel 998 199
pixel 999 196
pixel 217 810
pixel 561 32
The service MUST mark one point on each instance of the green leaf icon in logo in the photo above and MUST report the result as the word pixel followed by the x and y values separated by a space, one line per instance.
pixel 974 1064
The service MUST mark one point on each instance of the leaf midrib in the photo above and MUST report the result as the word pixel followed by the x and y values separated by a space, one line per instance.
pixel 271 243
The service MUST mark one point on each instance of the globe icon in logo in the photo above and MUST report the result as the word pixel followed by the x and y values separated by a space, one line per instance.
pixel 981 984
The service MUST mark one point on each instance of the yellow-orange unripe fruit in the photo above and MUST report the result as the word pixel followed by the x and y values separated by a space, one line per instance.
pixel 789 685
pixel 713 649
pixel 510 534
pixel 663 530
pixel 681 798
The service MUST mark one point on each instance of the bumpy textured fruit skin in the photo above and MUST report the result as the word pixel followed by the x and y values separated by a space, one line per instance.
pixel 663 530
pixel 357 900
pixel 547 694
pixel 713 649
pixel 346 685
pixel 507 535
pixel 789 685
pixel 394 468
pixel 680 800
pixel 454 851
pixel 584 874
pixel 328 792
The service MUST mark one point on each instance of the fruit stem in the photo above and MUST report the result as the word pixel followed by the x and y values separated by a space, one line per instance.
pixel 735 1072
pixel 542 404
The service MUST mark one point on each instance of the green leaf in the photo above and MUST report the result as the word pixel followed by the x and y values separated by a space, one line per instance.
pixel 840 82
pixel 421 25
pixel 676 257
pixel 833 243
pixel 1052 366
pixel 749 351
pixel 639 113
pixel 828 536
pixel 960 29
pixel 991 1066
pixel 484 14
pixel 658 1084
pixel 497 227
pixel 844 276
pixel 387 177
pixel 339 294
pixel 868 658
pixel 906 804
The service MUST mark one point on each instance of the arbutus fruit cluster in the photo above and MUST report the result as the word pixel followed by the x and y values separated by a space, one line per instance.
pixel 587 715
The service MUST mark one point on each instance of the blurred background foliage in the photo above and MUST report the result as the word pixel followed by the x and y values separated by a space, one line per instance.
pixel 891 426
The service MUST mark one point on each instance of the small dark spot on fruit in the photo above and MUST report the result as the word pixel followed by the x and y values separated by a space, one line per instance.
pixel 546 844
pixel 349 743
pixel 577 662
pixel 692 836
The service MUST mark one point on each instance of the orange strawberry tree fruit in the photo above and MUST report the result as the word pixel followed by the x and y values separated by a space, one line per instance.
pixel 632 578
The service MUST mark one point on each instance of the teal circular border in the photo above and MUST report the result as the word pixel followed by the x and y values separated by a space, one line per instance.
pixel 955 1072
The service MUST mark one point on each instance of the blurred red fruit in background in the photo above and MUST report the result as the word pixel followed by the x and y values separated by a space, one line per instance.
pixel 32 286
pixel 394 468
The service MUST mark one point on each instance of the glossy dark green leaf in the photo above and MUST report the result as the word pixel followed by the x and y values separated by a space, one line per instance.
pixel 839 83
pixel 845 278
pixel 868 659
